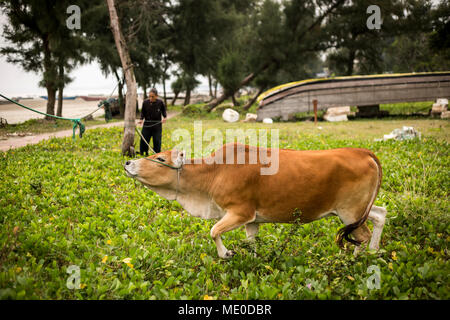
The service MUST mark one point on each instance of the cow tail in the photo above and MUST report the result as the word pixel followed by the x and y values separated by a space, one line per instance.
pixel 344 232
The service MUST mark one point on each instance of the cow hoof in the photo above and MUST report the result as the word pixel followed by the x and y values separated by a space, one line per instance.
pixel 229 254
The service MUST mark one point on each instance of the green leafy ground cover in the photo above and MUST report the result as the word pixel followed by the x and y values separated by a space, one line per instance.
pixel 397 110
pixel 65 202
pixel 407 107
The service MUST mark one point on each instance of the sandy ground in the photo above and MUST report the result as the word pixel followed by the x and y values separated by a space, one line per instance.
pixel 17 142
pixel 71 109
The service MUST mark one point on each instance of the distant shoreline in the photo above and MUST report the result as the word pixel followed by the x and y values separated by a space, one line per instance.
pixel 71 108
pixel 97 92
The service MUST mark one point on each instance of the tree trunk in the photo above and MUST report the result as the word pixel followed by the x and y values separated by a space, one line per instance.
pixel 244 82
pixel 164 90
pixel 49 78
pixel 252 100
pixel 187 98
pixel 166 66
pixel 144 87
pixel 210 85
pixel 51 94
pixel 233 98
pixel 216 83
pixel 350 62
pixel 131 96
pixel 175 97
pixel 216 102
pixel 120 94
pixel 60 102
pixel 60 89
pixel 121 100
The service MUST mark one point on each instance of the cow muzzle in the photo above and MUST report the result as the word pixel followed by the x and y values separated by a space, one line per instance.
pixel 131 168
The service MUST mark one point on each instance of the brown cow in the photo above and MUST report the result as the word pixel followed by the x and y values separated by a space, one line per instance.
pixel 342 182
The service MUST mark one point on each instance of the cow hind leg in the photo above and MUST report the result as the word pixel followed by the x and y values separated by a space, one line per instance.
pixel 378 217
pixel 251 230
pixel 349 217
pixel 363 235
pixel 230 221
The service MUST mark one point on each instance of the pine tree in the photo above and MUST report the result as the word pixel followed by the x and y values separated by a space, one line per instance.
pixel 282 42
pixel 41 42
pixel 356 48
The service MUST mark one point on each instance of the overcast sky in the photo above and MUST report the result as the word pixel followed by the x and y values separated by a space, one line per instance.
pixel 88 79
pixel 15 81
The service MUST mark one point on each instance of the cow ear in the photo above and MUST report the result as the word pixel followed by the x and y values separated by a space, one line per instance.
pixel 180 158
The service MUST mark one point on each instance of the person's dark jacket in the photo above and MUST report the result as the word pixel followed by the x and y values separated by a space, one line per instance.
pixel 152 111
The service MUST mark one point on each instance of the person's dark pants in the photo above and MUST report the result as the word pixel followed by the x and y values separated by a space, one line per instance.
pixel 150 130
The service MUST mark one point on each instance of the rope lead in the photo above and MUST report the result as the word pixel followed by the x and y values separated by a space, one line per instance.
pixel 76 122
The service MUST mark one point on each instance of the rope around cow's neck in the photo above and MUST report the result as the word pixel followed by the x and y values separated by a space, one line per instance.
pixel 142 137
pixel 160 162
pixel 172 167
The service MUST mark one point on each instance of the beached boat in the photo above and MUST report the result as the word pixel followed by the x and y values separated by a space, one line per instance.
pixel 92 98
pixel 4 101
pixel 64 98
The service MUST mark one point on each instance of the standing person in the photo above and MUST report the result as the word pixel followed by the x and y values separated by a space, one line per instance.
pixel 152 110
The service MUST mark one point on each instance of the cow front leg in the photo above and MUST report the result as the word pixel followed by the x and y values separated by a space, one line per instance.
pixel 231 220
pixel 251 229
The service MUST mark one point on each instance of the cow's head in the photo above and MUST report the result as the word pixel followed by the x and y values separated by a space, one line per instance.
pixel 159 170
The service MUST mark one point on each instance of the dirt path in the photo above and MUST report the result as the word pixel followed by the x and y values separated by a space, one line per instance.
pixel 18 142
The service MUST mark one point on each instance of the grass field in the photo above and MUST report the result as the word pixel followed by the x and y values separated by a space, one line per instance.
pixel 65 202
